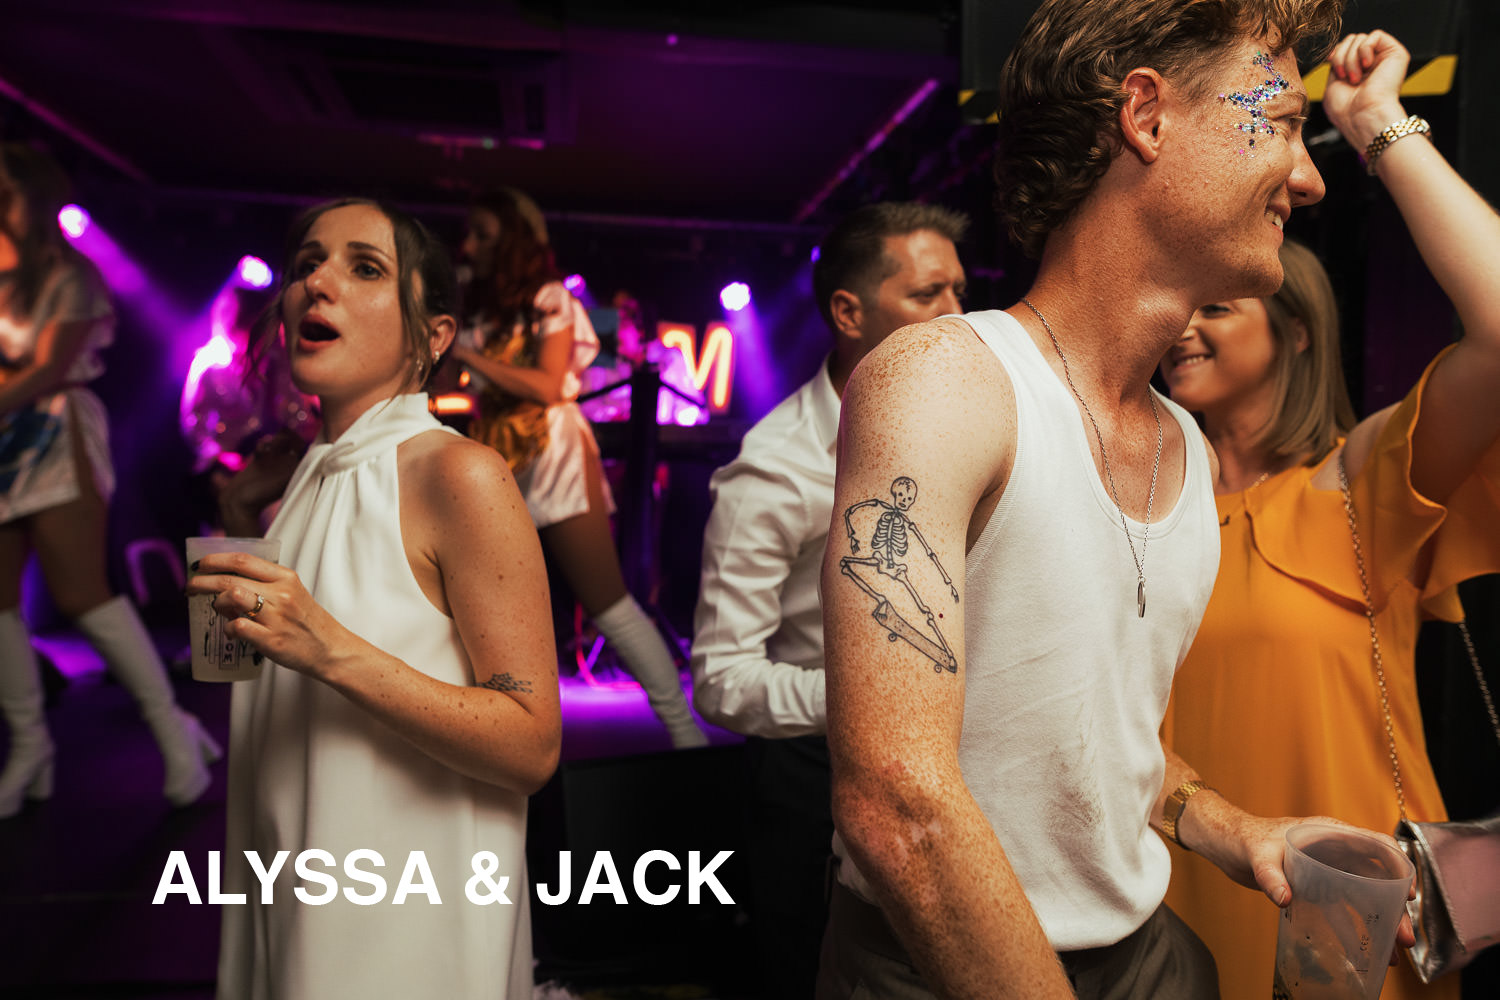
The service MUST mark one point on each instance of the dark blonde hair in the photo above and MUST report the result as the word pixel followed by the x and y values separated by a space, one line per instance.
pixel 418 255
pixel 1311 408
pixel 1060 88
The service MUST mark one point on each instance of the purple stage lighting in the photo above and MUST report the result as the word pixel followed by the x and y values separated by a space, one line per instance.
pixel 254 272
pixel 574 283
pixel 735 296
pixel 816 253
pixel 73 220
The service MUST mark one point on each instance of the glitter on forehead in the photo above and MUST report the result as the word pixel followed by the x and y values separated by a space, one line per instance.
pixel 1251 102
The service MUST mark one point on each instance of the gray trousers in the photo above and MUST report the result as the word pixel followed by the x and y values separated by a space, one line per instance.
pixel 1163 960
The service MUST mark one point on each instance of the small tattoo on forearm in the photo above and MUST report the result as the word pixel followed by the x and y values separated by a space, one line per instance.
pixel 889 541
pixel 505 682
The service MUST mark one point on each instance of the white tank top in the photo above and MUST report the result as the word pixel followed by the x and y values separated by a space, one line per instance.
pixel 1064 685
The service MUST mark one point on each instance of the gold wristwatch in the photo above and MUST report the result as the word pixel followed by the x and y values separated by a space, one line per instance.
pixel 1176 804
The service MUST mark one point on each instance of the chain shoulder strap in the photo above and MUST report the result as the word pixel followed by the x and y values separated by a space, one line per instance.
pixel 1385 703
pixel 1484 688
pixel 1364 583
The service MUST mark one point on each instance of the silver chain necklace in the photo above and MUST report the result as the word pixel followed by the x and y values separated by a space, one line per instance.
pixel 1140 560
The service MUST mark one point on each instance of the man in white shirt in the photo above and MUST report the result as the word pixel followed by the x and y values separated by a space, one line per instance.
pixel 758 637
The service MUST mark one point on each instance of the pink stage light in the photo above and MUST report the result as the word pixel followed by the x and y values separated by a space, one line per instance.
pixel 73 220
pixel 254 272
pixel 735 296
pixel 574 283
pixel 219 352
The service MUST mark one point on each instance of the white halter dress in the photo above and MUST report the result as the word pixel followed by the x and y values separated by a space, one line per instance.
pixel 309 770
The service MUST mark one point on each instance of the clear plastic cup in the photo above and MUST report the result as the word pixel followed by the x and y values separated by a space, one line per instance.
pixel 216 656
pixel 1348 896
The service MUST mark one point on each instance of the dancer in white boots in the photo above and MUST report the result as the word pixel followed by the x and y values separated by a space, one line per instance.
pixel 528 340
pixel 55 480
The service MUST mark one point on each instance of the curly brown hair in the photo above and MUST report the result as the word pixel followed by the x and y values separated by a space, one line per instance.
pixel 1060 88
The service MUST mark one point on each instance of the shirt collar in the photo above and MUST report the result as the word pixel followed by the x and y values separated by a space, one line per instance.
pixel 825 405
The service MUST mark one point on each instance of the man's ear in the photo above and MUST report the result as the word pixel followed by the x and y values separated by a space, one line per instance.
pixel 1142 114
pixel 847 312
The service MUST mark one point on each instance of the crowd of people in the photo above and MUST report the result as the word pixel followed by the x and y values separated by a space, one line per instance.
pixel 1035 665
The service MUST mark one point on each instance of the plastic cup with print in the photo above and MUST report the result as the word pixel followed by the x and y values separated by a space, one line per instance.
pixel 216 656
pixel 1348 895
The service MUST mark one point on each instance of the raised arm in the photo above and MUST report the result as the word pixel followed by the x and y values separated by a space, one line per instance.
pixel 1458 235
pixel 899 799
pixel 462 512
pixel 749 549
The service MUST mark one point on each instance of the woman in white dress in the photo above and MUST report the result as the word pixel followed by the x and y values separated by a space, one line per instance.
pixel 408 705
pixel 527 342
pixel 55 483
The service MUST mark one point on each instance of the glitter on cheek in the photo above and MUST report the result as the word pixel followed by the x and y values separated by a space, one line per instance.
pixel 1252 102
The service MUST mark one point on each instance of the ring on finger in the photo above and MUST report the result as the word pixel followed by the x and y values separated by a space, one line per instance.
pixel 260 602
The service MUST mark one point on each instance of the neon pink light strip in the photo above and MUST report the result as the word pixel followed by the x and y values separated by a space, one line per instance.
pixel 75 133
pixel 873 143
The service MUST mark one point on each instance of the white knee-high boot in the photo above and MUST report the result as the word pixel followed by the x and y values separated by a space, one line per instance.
pixel 635 638
pixel 116 631
pixel 28 768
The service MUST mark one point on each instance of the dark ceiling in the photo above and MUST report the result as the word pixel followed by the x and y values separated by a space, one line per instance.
pixel 736 111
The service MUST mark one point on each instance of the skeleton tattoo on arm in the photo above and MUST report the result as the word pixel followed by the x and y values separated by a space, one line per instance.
pixel 889 542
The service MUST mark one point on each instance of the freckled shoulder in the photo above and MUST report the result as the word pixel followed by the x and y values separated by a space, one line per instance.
pixel 941 344
pixel 449 474
pixel 938 380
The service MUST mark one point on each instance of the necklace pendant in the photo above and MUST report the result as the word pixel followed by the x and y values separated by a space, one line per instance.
pixel 1140 599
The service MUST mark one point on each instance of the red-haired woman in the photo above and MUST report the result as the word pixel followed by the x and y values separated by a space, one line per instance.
pixel 529 339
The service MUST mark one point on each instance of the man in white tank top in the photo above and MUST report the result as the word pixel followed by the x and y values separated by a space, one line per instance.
pixel 758 632
pixel 1024 535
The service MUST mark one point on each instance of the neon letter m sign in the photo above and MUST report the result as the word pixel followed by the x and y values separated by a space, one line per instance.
pixel 713 370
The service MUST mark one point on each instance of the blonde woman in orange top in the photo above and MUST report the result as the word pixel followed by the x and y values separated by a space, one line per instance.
pixel 1277 704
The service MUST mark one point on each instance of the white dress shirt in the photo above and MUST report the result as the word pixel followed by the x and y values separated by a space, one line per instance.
pixel 758 631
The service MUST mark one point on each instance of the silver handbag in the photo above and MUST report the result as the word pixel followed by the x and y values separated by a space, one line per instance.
pixel 1456 911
